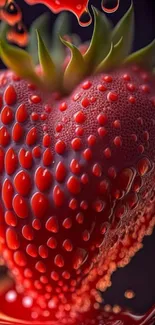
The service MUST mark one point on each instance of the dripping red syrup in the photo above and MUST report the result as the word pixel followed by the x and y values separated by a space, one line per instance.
pixel 110 6
pixel 78 7
pixel 11 14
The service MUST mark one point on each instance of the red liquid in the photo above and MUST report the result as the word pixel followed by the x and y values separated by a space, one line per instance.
pixel 18 309
pixel 78 7
pixel 110 6
pixel 12 15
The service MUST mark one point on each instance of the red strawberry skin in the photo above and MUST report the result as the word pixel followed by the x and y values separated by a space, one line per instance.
pixel 74 173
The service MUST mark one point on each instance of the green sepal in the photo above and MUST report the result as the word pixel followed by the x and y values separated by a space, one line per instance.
pixel 144 56
pixel 4 28
pixel 108 49
pixel 75 70
pixel 113 59
pixel 122 37
pixel 47 65
pixel 125 29
pixel 61 28
pixel 41 24
pixel 101 35
pixel 20 62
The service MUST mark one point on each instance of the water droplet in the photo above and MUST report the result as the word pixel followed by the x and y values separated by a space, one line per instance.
pixel 129 294
pixel 79 258
pixel 11 296
pixel 27 302
pixel 85 19
pixel 110 6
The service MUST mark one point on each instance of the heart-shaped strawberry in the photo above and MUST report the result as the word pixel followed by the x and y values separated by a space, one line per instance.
pixel 77 166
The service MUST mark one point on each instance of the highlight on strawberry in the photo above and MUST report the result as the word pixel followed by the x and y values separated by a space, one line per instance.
pixel 77 164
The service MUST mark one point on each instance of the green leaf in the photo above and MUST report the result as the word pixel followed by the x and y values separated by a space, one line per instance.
pixel 125 29
pixel 20 62
pixel 61 28
pixel 100 42
pixel 41 24
pixel 4 28
pixel 112 60
pixel 47 64
pixel 145 56
pixel 75 70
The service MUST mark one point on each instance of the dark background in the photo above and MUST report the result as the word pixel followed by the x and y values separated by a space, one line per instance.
pixel 144 18
pixel 139 275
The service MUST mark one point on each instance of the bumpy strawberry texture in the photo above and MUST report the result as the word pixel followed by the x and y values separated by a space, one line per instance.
pixel 77 166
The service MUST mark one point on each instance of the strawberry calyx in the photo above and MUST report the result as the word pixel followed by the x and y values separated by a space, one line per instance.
pixel 109 48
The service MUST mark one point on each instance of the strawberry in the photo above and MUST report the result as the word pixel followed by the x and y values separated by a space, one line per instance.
pixel 77 167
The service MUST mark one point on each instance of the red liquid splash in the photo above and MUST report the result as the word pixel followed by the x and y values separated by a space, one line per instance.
pixel 110 6
pixel 78 7
pixel 12 15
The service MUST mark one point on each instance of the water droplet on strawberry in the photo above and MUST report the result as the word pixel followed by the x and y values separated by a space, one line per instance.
pixel 22 183
pixel 67 245
pixel 58 196
pixel 7 115
pixel 43 251
pixel 12 239
pixel 40 205
pixel 59 261
pixel 31 137
pixel 47 157
pixel 40 267
pixel 4 136
pixel 52 225
pixel 80 257
pixel 10 95
pixel 60 172
pixel 7 193
pixel 52 243
pixel 20 206
pixel 27 232
pixel 43 179
pixel 10 218
pixel 21 113
pixel 17 132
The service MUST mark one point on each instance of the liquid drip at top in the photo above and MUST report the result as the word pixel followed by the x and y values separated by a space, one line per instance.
pixel 110 6
pixel 12 15
pixel 78 7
